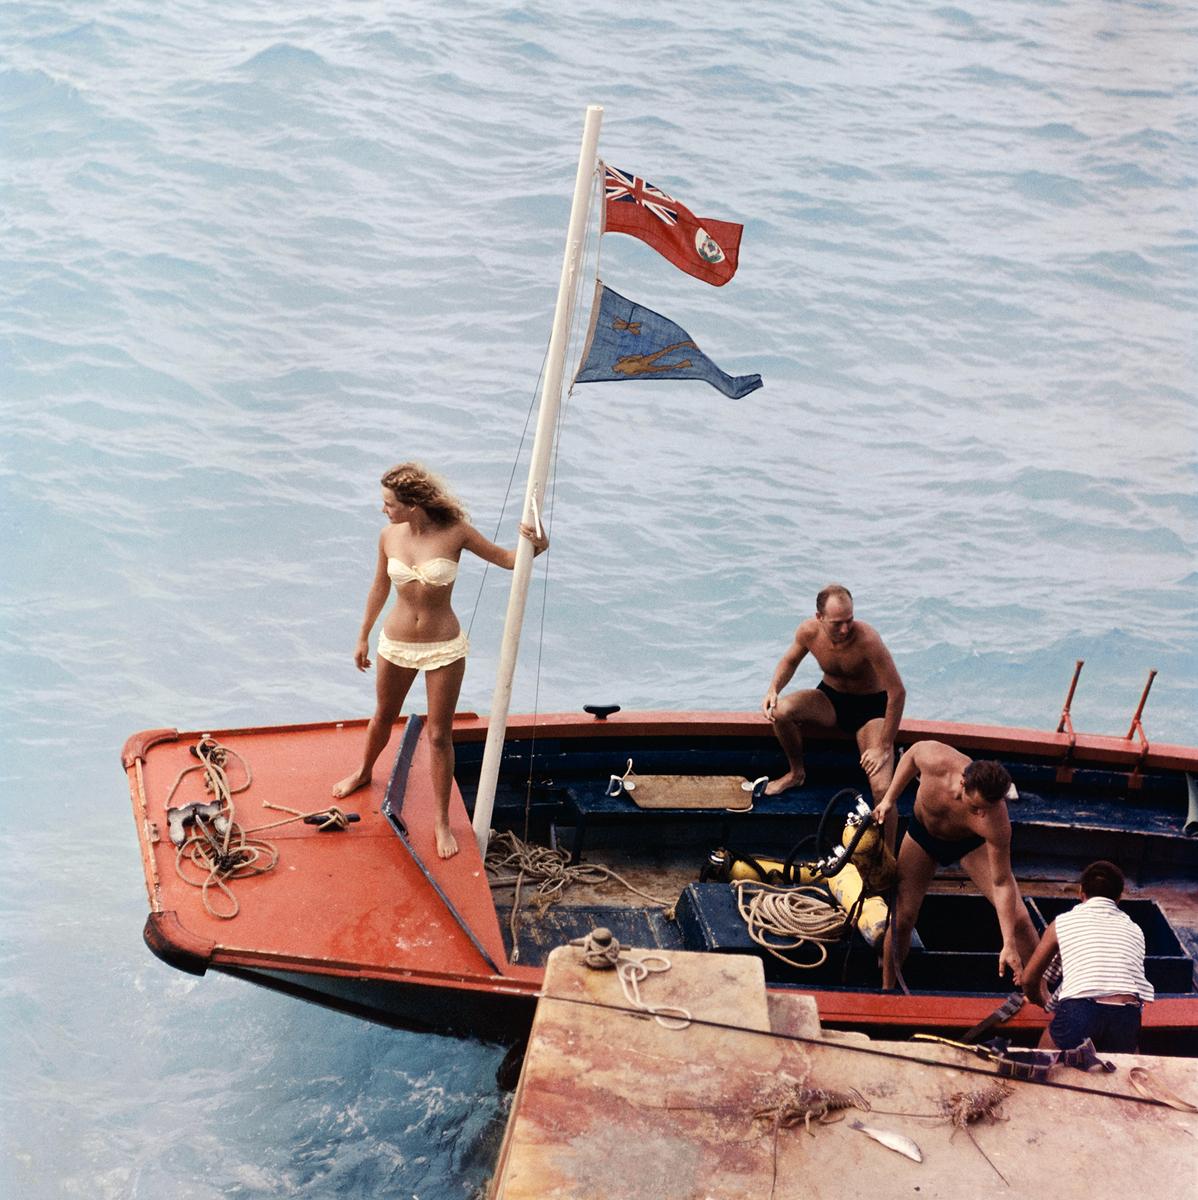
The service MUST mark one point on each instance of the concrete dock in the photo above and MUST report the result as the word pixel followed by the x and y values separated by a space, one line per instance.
pixel 611 1105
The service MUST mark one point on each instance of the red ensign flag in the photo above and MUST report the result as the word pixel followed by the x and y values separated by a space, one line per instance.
pixel 704 248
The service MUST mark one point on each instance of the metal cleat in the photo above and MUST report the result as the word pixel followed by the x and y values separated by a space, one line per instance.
pixel 176 818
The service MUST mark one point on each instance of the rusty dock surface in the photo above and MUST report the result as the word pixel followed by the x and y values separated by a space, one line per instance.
pixel 612 1104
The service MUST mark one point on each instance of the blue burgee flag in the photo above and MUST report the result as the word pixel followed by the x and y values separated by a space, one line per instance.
pixel 628 341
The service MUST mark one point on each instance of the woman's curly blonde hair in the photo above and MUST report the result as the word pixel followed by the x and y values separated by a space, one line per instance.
pixel 412 484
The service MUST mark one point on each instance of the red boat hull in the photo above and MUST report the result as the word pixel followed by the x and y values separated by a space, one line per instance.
pixel 350 920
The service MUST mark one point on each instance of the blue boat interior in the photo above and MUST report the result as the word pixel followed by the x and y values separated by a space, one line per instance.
pixel 554 792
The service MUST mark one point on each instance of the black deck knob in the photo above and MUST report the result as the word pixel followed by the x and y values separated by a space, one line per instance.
pixel 601 711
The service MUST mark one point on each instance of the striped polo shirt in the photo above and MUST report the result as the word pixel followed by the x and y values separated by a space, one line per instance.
pixel 1102 952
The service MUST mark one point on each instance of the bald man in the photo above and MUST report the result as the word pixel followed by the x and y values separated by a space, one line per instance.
pixel 860 693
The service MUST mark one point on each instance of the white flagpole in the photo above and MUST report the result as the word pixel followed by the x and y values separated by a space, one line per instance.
pixel 551 394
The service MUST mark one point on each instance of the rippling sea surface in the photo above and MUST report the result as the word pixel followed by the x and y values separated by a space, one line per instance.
pixel 252 254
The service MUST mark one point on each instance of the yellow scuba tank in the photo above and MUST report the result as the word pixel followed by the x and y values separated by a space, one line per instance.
pixel 770 870
pixel 845 885
pixel 871 866
pixel 871 856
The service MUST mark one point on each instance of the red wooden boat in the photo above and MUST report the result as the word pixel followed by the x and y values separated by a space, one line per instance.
pixel 367 919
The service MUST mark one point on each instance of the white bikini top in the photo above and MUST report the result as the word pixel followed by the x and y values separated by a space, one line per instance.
pixel 436 572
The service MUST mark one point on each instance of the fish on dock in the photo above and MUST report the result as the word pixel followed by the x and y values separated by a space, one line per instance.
pixel 897 1142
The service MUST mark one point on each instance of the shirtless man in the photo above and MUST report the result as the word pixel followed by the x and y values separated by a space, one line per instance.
pixel 860 693
pixel 960 813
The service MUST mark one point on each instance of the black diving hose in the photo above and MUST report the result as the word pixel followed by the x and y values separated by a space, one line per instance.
pixel 789 872
pixel 823 843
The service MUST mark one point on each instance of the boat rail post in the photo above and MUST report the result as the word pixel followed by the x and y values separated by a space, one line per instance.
pixel 551 390
pixel 1065 725
pixel 1066 722
pixel 1137 726
pixel 1137 729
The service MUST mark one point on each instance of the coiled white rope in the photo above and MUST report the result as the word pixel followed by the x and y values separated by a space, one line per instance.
pixel 601 951
pixel 220 850
pixel 795 915
pixel 213 756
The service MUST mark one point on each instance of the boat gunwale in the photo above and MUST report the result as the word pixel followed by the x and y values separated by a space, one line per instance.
pixel 469 727
pixel 837 1005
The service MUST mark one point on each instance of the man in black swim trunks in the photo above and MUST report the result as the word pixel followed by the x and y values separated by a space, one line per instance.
pixel 960 813
pixel 860 693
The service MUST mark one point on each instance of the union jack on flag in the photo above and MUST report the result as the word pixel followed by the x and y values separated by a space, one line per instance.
pixel 701 246
pixel 619 186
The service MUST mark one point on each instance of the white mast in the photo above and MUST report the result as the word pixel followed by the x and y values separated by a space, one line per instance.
pixel 551 394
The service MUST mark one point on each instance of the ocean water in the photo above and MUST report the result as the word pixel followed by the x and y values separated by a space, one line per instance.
pixel 253 254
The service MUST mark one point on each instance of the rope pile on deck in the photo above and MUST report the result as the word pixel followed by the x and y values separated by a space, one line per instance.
pixel 552 872
pixel 220 850
pixel 798 915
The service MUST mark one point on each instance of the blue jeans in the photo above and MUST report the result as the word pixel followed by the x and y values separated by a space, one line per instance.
pixel 1113 1027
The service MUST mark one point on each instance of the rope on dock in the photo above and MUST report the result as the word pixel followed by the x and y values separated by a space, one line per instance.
pixel 1148 1091
pixel 602 951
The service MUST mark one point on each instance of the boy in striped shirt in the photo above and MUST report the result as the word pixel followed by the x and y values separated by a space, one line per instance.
pixel 1102 959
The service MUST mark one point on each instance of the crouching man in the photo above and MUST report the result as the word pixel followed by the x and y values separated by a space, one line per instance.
pixel 960 815
pixel 1103 986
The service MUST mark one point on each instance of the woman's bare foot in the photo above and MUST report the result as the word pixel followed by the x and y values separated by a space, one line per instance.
pixel 447 844
pixel 792 779
pixel 350 783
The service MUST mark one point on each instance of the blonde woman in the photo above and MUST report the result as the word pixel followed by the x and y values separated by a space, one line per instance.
pixel 426 532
